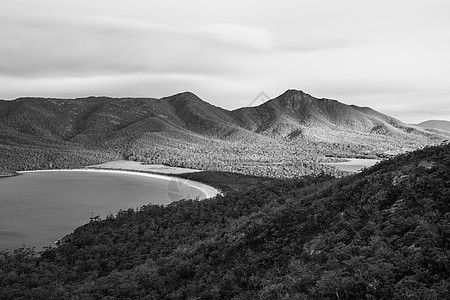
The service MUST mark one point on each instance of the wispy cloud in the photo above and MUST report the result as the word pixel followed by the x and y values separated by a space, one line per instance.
pixel 49 46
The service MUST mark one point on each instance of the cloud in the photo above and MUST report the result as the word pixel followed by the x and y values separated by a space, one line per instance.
pixel 314 44
pixel 232 35
pixel 50 47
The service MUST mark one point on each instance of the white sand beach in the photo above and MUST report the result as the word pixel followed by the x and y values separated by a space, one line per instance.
pixel 353 164
pixel 209 191
pixel 139 166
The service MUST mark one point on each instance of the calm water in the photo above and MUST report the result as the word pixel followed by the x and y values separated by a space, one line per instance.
pixel 38 208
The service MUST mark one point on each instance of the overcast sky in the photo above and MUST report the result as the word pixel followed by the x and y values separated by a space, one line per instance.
pixel 390 55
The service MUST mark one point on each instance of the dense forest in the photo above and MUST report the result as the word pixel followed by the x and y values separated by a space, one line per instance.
pixel 381 234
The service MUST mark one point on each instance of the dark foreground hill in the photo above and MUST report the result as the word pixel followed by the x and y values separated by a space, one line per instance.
pixel 288 136
pixel 381 234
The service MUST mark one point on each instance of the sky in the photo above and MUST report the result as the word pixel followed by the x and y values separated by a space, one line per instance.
pixel 391 55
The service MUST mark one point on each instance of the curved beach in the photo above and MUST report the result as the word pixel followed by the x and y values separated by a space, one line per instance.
pixel 43 205
pixel 354 165
pixel 207 190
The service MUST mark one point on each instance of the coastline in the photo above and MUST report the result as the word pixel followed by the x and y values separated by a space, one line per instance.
pixel 8 175
pixel 207 190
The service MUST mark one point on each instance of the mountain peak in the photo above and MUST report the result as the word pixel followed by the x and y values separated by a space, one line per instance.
pixel 184 98
pixel 294 93
pixel 187 95
pixel 291 99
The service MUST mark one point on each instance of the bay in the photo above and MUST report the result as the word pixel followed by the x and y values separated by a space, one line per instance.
pixel 38 208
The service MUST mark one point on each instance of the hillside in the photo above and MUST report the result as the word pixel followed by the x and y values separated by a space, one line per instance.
pixel 435 124
pixel 380 234
pixel 288 136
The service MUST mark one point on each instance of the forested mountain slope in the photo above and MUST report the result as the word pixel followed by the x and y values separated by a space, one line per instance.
pixel 296 113
pixel 287 136
pixel 380 234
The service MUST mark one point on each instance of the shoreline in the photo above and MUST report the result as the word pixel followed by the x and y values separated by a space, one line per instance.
pixel 127 165
pixel 207 190
pixel 8 175
pixel 353 165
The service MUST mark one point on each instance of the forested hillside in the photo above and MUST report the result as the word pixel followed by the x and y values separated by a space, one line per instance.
pixel 380 234
pixel 289 136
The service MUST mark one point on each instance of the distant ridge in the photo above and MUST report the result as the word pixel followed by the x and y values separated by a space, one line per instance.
pixel 436 124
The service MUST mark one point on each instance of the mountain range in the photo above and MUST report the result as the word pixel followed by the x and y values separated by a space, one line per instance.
pixel 293 111
pixel 186 131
